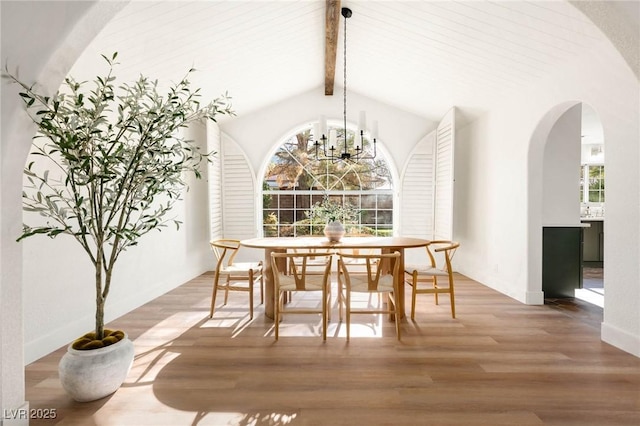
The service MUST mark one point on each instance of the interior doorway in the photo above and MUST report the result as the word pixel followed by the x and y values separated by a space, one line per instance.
pixel 568 147
pixel 592 206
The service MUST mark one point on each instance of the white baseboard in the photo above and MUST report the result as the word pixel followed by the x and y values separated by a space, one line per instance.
pixel 620 339
pixel 534 298
pixel 64 335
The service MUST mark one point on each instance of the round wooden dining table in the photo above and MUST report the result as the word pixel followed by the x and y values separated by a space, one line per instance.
pixel 282 244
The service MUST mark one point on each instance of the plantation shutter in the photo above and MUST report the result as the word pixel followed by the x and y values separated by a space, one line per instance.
pixel 238 200
pixel 444 178
pixel 417 191
pixel 215 180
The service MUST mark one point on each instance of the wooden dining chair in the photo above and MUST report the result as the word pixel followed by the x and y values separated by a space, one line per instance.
pixel 358 264
pixel 301 279
pixel 437 274
pixel 234 276
pixel 380 277
pixel 315 263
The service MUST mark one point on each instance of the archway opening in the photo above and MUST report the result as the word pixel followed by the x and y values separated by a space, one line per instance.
pixel 566 197
pixel 592 206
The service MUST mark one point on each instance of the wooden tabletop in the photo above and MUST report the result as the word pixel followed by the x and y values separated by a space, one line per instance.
pixel 323 242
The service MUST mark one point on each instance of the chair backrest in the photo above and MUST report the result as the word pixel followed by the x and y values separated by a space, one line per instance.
pixel 377 266
pixel 314 251
pixel 299 262
pixel 225 251
pixel 441 252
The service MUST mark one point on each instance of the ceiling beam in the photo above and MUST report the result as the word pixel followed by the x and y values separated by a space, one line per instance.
pixel 332 24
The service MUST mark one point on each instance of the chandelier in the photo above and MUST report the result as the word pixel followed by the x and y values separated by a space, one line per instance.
pixel 329 146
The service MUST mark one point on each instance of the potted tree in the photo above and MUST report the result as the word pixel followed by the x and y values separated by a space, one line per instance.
pixel 113 168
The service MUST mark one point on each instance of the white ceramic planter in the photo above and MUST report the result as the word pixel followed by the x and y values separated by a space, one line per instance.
pixel 93 374
pixel 334 231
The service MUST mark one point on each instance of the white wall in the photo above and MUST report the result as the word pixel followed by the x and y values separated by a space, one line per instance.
pixel 561 171
pixel 258 134
pixel 502 188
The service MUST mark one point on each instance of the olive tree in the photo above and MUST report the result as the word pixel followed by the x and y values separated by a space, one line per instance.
pixel 116 164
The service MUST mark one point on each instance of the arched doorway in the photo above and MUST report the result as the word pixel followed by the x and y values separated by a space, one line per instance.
pixel 592 206
pixel 559 196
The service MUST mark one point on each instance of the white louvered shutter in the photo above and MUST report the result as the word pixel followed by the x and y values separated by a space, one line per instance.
pixel 417 191
pixel 444 178
pixel 215 180
pixel 238 201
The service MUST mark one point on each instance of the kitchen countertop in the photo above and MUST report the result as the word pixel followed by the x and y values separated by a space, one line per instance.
pixel 566 225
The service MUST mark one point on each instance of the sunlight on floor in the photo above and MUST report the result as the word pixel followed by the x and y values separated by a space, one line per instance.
pixel 164 332
pixel 248 419
pixel 235 316
pixel 595 296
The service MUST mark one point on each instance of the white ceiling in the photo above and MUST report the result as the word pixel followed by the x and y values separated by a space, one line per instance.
pixel 420 56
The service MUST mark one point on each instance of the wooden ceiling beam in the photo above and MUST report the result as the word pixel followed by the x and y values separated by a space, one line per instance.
pixel 332 25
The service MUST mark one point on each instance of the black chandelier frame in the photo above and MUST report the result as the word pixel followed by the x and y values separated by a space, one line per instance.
pixel 332 153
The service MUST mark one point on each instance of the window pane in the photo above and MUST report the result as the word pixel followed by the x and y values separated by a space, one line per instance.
pixel 385 201
pixel 270 216
pixel 368 201
pixel 368 217
pixel 315 199
pixel 352 200
pixel 270 231
pixel 385 217
pixel 302 201
pixel 302 230
pixel 286 216
pixel 287 231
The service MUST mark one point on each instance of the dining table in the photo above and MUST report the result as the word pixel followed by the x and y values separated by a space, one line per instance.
pixel 283 244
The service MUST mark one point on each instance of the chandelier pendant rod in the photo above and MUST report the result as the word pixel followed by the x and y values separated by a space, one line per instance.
pixel 345 154
pixel 334 155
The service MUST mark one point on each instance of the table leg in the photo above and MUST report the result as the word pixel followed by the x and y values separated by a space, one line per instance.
pixel 269 284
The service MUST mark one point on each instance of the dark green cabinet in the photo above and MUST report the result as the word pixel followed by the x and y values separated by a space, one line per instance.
pixel 593 251
pixel 561 261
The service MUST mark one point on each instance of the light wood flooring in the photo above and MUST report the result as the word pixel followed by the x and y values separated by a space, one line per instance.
pixel 499 363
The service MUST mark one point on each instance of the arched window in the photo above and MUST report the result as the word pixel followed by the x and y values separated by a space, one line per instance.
pixel 295 181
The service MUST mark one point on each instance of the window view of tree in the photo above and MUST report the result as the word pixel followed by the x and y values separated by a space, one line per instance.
pixel 295 181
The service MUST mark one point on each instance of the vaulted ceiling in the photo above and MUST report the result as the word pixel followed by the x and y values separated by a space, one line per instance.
pixel 419 56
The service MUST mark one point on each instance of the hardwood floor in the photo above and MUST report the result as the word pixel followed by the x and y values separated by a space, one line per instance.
pixel 498 363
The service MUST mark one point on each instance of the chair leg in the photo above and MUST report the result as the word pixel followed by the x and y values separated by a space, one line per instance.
pixel 396 317
pixel 414 290
pixel 435 286
pixel 348 309
pixel 340 297
pixel 276 311
pixel 325 302
pixel 251 284
pixel 453 303
pixel 226 290
pixel 213 295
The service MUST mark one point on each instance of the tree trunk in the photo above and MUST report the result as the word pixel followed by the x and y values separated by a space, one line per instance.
pixel 99 298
